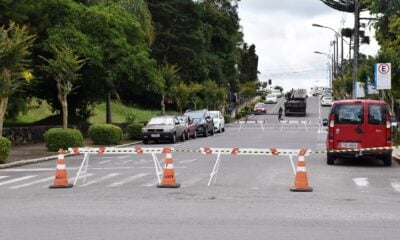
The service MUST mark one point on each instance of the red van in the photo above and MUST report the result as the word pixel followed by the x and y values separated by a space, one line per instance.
pixel 355 124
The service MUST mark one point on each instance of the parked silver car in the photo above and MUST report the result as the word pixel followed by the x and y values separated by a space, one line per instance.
pixel 163 128
pixel 219 121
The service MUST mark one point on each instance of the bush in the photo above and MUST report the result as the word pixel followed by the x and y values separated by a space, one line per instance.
pixel 135 131
pixel 228 118
pixel 238 115
pixel 105 134
pixel 5 148
pixel 59 138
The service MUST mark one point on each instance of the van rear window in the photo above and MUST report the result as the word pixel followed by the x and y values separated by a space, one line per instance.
pixel 376 114
pixel 349 114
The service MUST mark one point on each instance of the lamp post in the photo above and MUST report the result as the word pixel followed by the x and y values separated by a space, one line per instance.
pixel 330 71
pixel 336 47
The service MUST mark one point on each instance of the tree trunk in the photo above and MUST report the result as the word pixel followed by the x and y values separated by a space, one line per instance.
pixel 108 108
pixel 3 108
pixel 64 105
pixel 162 103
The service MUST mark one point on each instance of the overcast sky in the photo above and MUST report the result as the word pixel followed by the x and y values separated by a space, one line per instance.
pixel 285 40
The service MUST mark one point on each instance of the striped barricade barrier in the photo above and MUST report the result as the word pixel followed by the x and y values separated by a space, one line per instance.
pixel 87 151
pixel 250 151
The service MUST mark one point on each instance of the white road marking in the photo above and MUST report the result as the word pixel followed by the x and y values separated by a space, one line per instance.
pixel 143 161
pixel 128 180
pixel 361 182
pixel 1 177
pixel 188 160
pixel 97 180
pixel 106 161
pixel 17 180
pixel 395 184
pixel 192 181
pixel 31 183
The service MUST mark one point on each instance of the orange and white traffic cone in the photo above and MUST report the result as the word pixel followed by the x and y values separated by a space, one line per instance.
pixel 301 180
pixel 61 176
pixel 168 178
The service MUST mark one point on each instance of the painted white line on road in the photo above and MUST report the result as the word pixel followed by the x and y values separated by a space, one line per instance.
pixel 143 161
pixel 124 162
pixel 128 180
pixel 32 183
pixel 153 167
pixel 97 180
pixel 106 161
pixel 192 181
pixel 17 180
pixel 188 160
pixel 110 168
pixel 395 184
pixel 30 169
pixel 1 177
pixel 361 182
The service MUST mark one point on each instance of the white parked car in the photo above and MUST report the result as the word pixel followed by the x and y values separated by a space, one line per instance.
pixel 271 98
pixel 326 101
pixel 277 92
pixel 219 121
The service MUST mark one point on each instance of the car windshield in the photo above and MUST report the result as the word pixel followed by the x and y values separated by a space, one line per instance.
pixel 327 99
pixel 214 114
pixel 259 105
pixel 195 114
pixel 161 121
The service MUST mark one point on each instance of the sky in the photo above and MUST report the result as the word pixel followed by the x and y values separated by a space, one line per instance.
pixel 285 39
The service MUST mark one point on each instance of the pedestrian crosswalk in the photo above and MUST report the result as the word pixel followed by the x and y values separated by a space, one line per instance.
pixel 149 179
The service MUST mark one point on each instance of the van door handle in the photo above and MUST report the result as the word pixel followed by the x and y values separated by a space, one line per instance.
pixel 359 130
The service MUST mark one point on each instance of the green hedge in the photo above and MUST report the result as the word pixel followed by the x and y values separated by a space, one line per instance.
pixel 227 118
pixel 135 131
pixel 105 134
pixel 5 148
pixel 59 138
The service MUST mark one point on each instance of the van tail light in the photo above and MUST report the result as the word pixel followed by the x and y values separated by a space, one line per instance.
pixel 331 125
pixel 388 130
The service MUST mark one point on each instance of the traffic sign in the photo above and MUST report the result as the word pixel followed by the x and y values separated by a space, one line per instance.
pixel 383 78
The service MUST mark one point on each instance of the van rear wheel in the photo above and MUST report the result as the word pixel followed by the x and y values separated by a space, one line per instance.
pixel 387 160
pixel 330 159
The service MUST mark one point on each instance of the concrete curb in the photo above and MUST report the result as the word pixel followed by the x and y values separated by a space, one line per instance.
pixel 396 157
pixel 43 159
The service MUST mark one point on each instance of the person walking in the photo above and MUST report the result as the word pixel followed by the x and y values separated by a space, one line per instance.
pixel 280 113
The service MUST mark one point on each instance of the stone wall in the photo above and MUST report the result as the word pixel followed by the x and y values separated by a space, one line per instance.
pixel 25 135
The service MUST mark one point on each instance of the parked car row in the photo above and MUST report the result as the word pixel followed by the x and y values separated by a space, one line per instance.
pixel 170 127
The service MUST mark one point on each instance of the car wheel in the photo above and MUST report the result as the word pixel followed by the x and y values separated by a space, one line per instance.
pixel 330 159
pixel 205 132
pixel 187 135
pixel 146 141
pixel 183 137
pixel 223 129
pixel 387 160
pixel 173 138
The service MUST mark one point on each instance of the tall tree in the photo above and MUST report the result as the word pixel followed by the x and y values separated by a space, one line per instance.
pixel 63 68
pixel 15 43
pixel 169 73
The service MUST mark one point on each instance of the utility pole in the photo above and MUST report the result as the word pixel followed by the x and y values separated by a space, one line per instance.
pixel 356 44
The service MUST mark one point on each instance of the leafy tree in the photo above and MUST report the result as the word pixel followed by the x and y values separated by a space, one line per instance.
pixel 63 68
pixel 170 77
pixel 180 91
pixel 15 43
pixel 248 90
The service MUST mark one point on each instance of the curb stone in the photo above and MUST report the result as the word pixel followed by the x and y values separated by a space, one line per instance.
pixel 43 159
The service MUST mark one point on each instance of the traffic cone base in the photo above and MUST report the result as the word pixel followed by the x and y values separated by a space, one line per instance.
pixel 176 185
pixel 293 189
pixel 62 186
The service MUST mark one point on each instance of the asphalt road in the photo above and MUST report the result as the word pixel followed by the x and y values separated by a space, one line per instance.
pixel 251 199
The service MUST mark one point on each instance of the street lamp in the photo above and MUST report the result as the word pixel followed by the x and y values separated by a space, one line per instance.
pixel 330 72
pixel 336 47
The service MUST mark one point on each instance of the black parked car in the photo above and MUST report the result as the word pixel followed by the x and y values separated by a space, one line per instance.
pixel 203 120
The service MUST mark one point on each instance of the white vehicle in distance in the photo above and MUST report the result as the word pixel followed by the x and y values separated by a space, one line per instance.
pixel 326 101
pixel 219 121
pixel 276 92
pixel 271 98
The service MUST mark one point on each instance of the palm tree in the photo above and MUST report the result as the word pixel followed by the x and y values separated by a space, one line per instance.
pixel 15 42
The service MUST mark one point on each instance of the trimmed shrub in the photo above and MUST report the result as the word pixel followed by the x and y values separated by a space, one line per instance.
pixel 135 131
pixel 228 118
pixel 59 138
pixel 5 148
pixel 105 134
pixel 238 115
